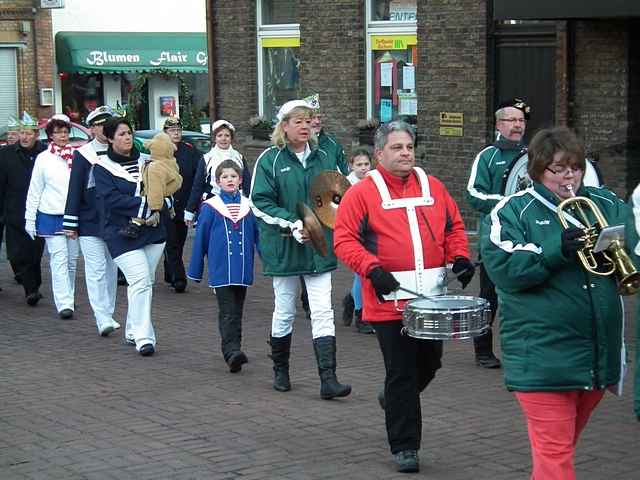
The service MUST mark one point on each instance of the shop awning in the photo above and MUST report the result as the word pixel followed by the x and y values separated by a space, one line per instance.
pixel 87 52
pixel 564 9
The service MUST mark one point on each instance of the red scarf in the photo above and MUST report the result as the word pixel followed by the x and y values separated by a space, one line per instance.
pixel 65 153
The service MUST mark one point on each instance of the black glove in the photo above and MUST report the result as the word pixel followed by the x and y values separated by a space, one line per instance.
pixel 464 265
pixel 383 282
pixel 572 241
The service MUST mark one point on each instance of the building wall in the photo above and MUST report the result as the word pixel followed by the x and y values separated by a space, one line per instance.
pixel 35 59
pixel 452 77
pixel 600 95
pixel 332 53
pixel 234 26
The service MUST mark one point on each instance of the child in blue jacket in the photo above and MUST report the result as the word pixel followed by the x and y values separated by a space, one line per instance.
pixel 226 234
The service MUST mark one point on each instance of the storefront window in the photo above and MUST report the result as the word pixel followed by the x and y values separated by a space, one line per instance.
pixel 391 60
pixel 198 91
pixel 276 12
pixel 80 95
pixel 280 78
pixel 394 81
pixel 394 10
pixel 278 62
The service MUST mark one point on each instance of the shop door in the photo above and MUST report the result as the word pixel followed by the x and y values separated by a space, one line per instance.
pixel 525 67
pixel 8 85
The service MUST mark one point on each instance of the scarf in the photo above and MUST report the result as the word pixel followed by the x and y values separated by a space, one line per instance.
pixel 503 143
pixel 65 153
pixel 216 156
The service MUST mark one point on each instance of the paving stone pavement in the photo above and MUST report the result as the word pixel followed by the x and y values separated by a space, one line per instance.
pixel 77 406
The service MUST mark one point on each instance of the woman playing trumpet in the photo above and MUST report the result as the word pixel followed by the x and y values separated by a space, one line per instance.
pixel 561 326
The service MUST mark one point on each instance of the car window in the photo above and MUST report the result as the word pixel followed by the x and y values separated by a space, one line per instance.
pixel 77 134
pixel 202 144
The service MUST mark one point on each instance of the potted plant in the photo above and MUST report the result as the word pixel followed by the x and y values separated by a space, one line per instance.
pixel 366 130
pixel 261 128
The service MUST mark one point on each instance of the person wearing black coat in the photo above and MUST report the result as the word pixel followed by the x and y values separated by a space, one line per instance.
pixel 23 251
pixel 188 159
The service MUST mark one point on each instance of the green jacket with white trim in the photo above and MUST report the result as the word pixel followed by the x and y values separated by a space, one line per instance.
pixel 279 183
pixel 560 326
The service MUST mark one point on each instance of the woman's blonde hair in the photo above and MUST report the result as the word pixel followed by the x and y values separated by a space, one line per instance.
pixel 279 138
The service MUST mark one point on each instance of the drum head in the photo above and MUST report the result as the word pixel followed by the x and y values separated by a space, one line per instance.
pixel 518 179
pixel 447 303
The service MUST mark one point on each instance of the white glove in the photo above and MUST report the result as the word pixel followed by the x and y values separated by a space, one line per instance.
pixel 296 231
pixel 30 228
pixel 189 216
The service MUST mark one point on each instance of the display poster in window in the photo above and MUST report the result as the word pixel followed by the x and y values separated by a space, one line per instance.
pixel 386 74
pixel 167 106
pixel 403 11
pixel 408 77
pixel 407 104
pixel 386 110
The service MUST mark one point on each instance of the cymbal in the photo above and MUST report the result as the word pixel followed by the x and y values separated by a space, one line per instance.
pixel 314 228
pixel 327 190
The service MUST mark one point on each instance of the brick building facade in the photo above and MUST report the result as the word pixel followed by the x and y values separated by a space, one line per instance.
pixel 25 35
pixel 594 79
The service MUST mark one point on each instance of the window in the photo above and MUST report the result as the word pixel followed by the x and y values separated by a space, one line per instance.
pixel 278 62
pixel 391 59
pixel 81 94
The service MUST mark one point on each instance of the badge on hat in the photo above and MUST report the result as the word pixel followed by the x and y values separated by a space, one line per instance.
pixel 172 122
pixel 100 115
pixel 289 106
pixel 313 101
pixel 27 122
pixel 516 103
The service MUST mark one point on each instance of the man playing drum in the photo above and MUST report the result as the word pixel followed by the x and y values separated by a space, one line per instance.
pixel 395 206
pixel 485 190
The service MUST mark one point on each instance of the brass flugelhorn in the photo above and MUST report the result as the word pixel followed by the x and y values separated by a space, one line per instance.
pixel 612 260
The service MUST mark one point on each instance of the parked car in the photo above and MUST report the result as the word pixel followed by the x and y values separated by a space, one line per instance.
pixel 200 141
pixel 78 136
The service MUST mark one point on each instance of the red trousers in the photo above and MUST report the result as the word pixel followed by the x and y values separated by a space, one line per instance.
pixel 555 421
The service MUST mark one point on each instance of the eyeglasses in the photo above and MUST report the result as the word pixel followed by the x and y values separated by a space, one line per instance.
pixel 564 170
pixel 513 120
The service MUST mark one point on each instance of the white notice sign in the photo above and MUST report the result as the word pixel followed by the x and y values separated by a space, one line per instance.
pixel 386 77
pixel 408 77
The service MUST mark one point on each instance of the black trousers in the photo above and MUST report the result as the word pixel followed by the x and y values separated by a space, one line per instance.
pixel 230 305
pixel 173 262
pixel 410 365
pixel 25 255
pixel 484 345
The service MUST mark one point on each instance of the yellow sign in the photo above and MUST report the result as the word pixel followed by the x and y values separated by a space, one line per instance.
pixel 450 131
pixel 280 42
pixel 453 119
pixel 393 42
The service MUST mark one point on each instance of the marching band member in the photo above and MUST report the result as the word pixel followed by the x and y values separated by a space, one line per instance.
pixel 188 158
pixel 204 183
pixel 561 326
pixel 397 205
pixel 281 180
pixel 118 186
pixel 23 250
pixel 44 212
pixel 485 189
pixel 81 221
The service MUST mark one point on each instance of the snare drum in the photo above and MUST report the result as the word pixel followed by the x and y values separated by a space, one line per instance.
pixel 446 317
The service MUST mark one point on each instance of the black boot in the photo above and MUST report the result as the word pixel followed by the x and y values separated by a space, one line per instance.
pixel 361 326
pixel 347 309
pixel 280 350
pixel 325 349
pixel 483 346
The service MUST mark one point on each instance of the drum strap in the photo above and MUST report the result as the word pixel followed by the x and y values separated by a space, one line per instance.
pixel 409 204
